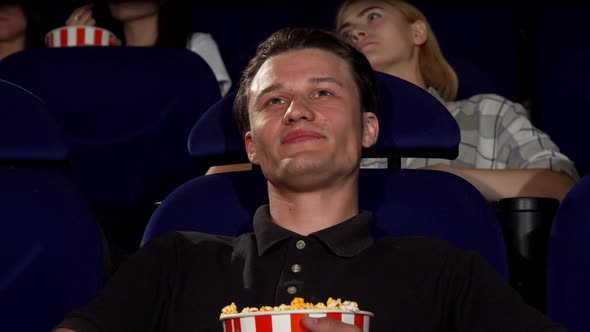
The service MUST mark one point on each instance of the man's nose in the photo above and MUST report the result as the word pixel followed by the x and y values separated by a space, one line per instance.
pixel 298 110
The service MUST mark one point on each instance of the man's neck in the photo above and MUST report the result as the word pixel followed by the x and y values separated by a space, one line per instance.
pixel 11 46
pixel 141 32
pixel 308 212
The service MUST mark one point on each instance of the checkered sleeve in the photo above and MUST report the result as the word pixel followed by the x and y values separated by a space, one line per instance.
pixel 520 145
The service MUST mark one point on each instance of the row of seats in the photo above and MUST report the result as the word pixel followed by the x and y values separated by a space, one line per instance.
pixel 51 248
pixel 125 114
pixel 405 202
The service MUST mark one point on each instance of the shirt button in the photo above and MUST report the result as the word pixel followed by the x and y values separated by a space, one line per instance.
pixel 295 268
pixel 292 290
pixel 300 244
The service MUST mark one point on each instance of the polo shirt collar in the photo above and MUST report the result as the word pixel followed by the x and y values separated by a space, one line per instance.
pixel 346 239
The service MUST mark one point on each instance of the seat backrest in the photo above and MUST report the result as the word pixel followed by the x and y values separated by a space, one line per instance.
pixel 562 88
pixel 412 124
pixel 27 130
pixel 125 111
pixel 568 263
pixel 50 243
pixel 405 203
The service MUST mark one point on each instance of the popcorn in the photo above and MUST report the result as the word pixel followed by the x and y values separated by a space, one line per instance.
pixel 297 303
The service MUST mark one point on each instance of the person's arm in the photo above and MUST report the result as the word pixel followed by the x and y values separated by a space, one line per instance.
pixel 497 184
pixel 524 161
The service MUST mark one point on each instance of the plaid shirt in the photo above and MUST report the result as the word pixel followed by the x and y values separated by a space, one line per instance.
pixel 495 134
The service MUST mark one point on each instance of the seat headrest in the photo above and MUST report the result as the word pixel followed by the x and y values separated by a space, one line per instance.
pixel 28 132
pixel 412 123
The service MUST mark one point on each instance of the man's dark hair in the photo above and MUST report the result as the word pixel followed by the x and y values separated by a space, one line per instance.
pixel 291 39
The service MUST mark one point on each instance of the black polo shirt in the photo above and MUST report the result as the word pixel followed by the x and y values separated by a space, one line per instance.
pixel 180 281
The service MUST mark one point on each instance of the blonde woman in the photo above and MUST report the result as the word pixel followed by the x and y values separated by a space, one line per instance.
pixel 501 153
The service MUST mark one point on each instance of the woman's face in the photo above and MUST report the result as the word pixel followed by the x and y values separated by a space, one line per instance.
pixel 130 10
pixel 13 22
pixel 379 31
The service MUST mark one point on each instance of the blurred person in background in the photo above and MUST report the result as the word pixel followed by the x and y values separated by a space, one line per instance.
pixel 20 27
pixel 165 23
pixel 501 153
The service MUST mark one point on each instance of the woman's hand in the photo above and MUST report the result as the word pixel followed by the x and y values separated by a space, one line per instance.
pixel 82 16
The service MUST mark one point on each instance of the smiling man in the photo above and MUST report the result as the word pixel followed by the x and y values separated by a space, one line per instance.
pixel 306 107
pixel 306 134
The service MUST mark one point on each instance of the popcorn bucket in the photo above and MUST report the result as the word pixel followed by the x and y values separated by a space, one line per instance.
pixel 290 321
pixel 71 36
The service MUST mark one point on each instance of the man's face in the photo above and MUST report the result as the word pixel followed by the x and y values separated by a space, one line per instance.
pixel 305 119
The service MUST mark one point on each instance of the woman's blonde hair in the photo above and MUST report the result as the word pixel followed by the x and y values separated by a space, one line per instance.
pixel 435 69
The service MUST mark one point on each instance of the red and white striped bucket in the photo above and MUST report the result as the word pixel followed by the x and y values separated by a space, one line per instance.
pixel 72 36
pixel 290 321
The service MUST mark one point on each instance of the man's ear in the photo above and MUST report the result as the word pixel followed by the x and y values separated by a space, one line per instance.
pixel 250 149
pixel 419 32
pixel 370 129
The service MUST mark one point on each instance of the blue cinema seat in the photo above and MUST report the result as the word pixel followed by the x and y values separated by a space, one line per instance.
pixel 50 244
pixel 405 202
pixel 561 73
pixel 125 112
pixel 568 263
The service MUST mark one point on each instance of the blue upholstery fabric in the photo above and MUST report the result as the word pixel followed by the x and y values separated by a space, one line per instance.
pixel 50 244
pixel 215 138
pixel 412 124
pixel 562 75
pixel 568 263
pixel 27 130
pixel 405 202
pixel 126 113
pixel 50 249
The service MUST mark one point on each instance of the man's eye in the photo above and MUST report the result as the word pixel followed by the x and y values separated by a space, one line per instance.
pixel 345 35
pixel 275 101
pixel 323 93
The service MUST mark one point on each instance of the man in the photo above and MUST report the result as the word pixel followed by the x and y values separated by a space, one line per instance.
pixel 306 106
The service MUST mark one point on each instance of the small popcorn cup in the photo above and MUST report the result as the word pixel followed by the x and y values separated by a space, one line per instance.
pixel 290 320
pixel 72 36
